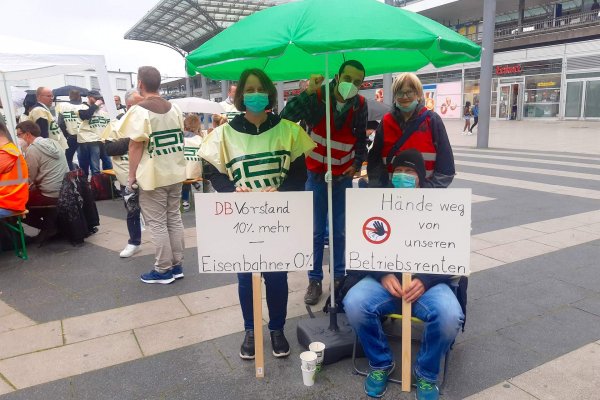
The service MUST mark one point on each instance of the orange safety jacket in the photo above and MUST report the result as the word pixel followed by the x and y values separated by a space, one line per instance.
pixel 14 187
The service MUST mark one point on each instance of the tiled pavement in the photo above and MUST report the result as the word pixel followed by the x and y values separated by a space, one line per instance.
pixel 76 323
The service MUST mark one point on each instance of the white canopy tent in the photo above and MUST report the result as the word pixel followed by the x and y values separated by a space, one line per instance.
pixel 17 67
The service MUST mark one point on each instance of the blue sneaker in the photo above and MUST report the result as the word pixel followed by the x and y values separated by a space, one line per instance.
pixel 426 390
pixel 177 271
pixel 156 277
pixel 376 382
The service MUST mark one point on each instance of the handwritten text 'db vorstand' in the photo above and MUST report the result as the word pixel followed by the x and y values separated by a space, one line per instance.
pixel 254 232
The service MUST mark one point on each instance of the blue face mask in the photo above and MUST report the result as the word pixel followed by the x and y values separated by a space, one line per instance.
pixel 256 102
pixel 411 106
pixel 401 180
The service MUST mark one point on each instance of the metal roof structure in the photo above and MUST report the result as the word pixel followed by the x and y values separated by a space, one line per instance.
pixel 184 25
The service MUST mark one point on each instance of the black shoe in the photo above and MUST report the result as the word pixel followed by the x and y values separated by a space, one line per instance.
pixel 313 292
pixel 247 349
pixel 281 347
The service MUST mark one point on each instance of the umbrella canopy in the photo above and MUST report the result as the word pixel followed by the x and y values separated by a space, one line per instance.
pixel 64 91
pixel 290 41
pixel 198 105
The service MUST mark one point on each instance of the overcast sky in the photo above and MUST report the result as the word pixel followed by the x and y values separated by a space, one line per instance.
pixel 96 27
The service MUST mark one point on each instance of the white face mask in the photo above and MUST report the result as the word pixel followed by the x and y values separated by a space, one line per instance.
pixel 22 144
pixel 347 90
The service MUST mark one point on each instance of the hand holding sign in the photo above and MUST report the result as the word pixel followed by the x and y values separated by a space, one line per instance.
pixel 391 283
pixel 413 291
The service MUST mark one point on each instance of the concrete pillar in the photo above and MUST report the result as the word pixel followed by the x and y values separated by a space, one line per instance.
pixel 189 90
pixel 485 79
pixel 521 14
pixel 387 89
pixel 280 97
pixel 205 95
pixel 224 89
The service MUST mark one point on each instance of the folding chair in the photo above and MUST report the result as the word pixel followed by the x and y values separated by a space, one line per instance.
pixel 17 226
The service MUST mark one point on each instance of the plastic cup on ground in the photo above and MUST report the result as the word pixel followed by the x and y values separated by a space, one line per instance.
pixel 319 349
pixel 308 376
pixel 309 360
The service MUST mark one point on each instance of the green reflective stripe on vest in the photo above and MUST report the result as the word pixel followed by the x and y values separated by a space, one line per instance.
pixel 257 155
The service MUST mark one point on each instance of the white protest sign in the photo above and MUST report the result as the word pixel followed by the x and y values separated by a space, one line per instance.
pixel 254 232
pixel 419 231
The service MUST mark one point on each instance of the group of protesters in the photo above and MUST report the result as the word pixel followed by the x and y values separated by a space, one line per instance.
pixel 410 150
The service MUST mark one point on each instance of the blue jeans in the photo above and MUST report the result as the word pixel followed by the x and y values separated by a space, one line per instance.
pixel 106 159
pixel 277 298
pixel 134 226
pixel 4 212
pixel 318 186
pixel 185 192
pixel 438 307
pixel 88 155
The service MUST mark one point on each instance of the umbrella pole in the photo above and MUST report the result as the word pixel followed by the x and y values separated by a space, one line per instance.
pixel 333 326
pixel 339 337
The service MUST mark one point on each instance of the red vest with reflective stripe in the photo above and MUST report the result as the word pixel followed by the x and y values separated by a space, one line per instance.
pixel 14 187
pixel 420 140
pixel 342 143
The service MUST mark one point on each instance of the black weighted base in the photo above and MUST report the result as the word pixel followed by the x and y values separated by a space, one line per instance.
pixel 338 343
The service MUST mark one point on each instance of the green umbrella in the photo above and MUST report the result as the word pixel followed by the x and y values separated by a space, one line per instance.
pixel 291 40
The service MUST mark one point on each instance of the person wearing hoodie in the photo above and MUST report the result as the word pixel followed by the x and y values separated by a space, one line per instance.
pixel 47 167
pixel 157 166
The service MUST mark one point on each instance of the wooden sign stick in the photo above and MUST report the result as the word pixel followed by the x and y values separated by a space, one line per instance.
pixel 406 337
pixel 259 358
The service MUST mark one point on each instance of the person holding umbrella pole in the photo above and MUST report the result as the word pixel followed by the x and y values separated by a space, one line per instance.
pixel 348 150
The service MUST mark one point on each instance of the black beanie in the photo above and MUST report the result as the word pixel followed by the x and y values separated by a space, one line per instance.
pixel 411 158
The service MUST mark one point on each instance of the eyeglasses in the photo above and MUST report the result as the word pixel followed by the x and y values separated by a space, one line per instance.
pixel 408 94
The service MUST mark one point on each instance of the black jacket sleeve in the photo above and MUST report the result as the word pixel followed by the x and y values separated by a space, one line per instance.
pixel 87 114
pixel 220 182
pixel 296 177
pixel 444 162
pixel 376 169
pixel 63 126
pixel 43 124
pixel 117 147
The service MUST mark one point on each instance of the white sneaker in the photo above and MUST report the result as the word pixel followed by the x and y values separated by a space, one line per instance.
pixel 129 250
pixel 186 206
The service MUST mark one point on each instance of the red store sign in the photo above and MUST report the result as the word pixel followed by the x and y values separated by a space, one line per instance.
pixel 508 69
